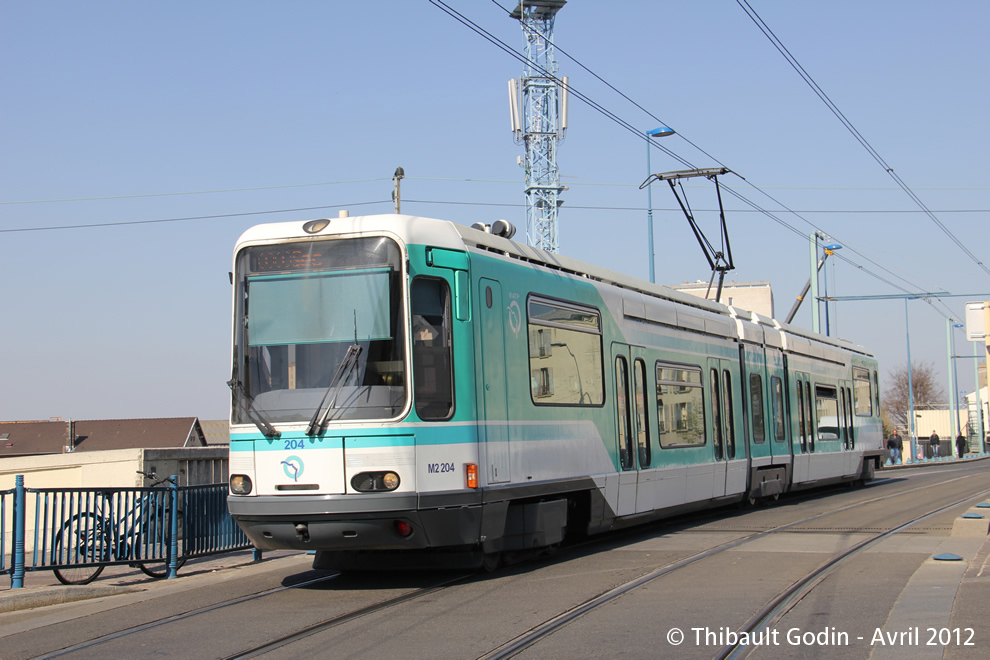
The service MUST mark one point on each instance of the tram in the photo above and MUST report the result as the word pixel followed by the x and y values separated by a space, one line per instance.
pixel 406 386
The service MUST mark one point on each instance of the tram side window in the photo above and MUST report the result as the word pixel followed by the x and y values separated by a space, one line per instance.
pixel 779 423
pixel 861 392
pixel 730 422
pixel 622 408
pixel 642 419
pixel 827 409
pixel 565 354
pixel 848 418
pixel 716 416
pixel 807 405
pixel 680 406
pixel 756 405
pixel 802 428
pixel 432 350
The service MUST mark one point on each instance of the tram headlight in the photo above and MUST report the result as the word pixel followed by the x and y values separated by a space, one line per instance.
pixel 240 484
pixel 371 482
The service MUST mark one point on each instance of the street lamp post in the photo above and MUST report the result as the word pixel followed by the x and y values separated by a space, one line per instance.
pixel 980 427
pixel 829 249
pixel 816 264
pixel 815 326
pixel 662 131
pixel 953 378
pixel 911 422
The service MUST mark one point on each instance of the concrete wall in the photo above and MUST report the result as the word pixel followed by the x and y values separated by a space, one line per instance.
pixel 940 421
pixel 105 469
pixel 117 468
pixel 750 296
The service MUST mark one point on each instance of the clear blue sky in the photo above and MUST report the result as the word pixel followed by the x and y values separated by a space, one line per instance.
pixel 123 112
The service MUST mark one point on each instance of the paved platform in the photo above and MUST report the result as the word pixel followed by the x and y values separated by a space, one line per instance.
pixel 42 588
pixel 932 462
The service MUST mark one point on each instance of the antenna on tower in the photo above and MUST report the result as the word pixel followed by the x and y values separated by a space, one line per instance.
pixel 538 118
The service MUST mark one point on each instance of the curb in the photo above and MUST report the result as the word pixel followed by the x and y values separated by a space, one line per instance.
pixel 25 599
pixel 931 463
pixel 196 572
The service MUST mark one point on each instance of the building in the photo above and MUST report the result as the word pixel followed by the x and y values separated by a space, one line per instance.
pixel 108 453
pixel 217 432
pixel 64 437
pixel 751 296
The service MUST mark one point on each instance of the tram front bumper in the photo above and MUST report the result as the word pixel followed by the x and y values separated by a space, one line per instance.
pixel 273 523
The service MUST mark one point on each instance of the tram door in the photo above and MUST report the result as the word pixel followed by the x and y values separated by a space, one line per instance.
pixel 495 421
pixel 632 429
pixel 723 412
pixel 778 422
pixel 804 444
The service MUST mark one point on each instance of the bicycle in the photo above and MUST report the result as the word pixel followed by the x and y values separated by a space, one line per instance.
pixel 91 539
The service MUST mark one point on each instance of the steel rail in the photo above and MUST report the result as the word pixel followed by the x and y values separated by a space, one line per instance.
pixel 781 605
pixel 285 640
pixel 543 630
pixel 179 617
pixel 506 650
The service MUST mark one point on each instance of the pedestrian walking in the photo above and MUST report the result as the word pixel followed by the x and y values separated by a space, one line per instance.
pixel 961 445
pixel 895 445
pixel 934 442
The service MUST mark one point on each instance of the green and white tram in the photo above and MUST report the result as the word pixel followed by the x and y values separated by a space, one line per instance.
pixel 406 383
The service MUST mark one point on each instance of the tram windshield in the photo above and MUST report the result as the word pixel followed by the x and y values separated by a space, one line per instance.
pixel 300 308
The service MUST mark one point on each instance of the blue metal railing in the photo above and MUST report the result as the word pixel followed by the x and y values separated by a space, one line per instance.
pixel 76 530
pixel 208 527
pixel 6 504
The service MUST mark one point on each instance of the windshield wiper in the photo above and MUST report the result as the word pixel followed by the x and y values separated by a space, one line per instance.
pixel 259 420
pixel 336 383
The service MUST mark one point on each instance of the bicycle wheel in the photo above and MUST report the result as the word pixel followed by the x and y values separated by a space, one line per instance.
pixel 158 569
pixel 83 541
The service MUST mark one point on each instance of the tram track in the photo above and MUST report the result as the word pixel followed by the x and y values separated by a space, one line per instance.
pixel 560 621
pixel 765 617
pixel 179 617
pixel 776 609
pixel 552 624
pixel 275 643
pixel 285 640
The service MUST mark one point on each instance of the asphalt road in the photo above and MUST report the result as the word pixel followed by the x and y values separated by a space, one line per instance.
pixel 889 600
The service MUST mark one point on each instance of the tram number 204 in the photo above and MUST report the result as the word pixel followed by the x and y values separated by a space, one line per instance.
pixel 439 468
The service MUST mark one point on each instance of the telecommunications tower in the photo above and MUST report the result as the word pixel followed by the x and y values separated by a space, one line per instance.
pixel 538 106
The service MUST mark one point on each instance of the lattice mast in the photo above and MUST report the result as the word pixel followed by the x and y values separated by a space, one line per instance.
pixel 538 104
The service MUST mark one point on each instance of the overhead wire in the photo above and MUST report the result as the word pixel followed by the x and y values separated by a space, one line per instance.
pixel 92 225
pixel 583 97
pixel 782 49
pixel 642 136
pixel 923 208
pixel 191 192
pixel 499 181
pixel 582 207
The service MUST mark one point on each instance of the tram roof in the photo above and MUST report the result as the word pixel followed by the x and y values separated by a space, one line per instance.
pixel 448 234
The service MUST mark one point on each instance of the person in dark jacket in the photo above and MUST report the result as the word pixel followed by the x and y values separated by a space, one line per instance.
pixel 961 445
pixel 934 442
pixel 896 446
